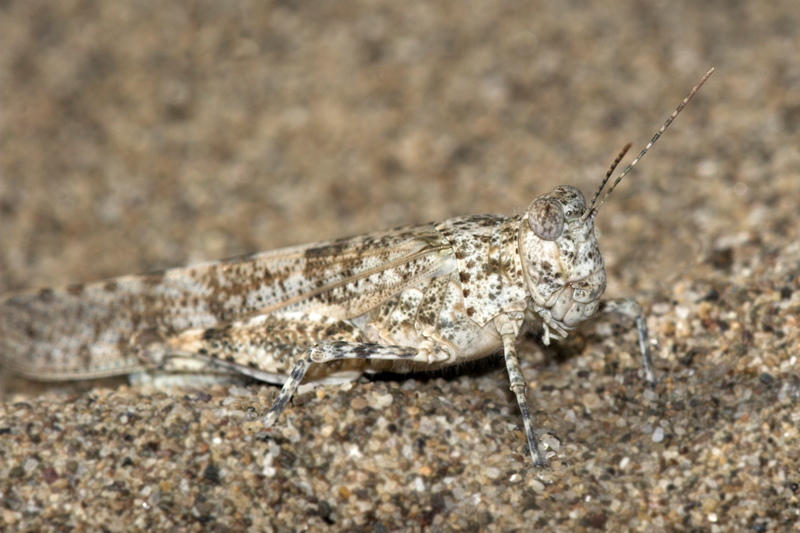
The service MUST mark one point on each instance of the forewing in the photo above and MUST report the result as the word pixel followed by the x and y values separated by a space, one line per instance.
pixel 115 327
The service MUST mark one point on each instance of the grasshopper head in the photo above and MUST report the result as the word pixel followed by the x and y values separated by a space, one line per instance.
pixel 561 261
pixel 560 258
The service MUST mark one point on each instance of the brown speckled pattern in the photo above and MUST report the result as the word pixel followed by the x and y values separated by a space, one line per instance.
pixel 66 334
pixel 137 138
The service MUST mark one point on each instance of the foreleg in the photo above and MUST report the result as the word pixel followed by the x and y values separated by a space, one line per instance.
pixel 630 308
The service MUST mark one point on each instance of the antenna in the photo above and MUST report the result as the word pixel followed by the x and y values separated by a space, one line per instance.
pixel 591 211
pixel 608 174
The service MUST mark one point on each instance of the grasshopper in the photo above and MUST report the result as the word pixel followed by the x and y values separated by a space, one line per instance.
pixel 409 299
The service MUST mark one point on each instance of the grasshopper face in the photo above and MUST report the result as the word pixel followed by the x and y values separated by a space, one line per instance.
pixel 561 261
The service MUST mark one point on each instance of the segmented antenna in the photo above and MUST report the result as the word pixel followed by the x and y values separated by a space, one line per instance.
pixel 608 175
pixel 591 211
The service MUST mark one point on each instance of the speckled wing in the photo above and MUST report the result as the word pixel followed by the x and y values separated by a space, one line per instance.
pixel 115 327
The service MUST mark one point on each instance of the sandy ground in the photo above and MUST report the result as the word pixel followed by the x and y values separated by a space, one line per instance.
pixel 138 136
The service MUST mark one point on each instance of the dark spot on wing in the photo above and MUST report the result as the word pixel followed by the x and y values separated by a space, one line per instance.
pixel 325 251
pixel 46 295
pixel 154 278
pixel 75 290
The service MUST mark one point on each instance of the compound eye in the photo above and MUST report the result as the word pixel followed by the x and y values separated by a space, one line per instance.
pixel 546 218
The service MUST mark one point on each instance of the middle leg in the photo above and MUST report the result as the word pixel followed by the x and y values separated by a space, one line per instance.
pixel 325 351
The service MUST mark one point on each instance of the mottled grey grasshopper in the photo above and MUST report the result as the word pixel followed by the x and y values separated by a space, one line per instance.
pixel 413 298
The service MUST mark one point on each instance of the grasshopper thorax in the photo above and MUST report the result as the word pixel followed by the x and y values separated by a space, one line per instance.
pixel 561 261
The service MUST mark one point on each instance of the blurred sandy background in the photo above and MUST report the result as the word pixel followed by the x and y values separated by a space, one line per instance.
pixel 144 135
